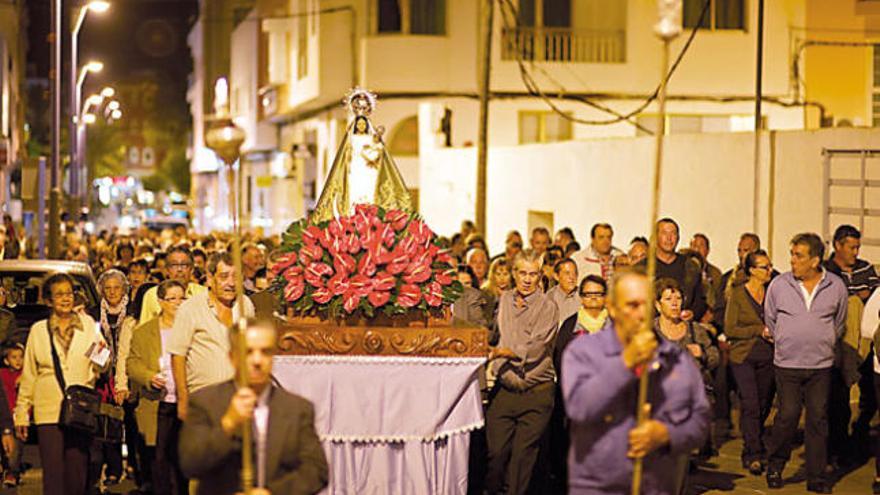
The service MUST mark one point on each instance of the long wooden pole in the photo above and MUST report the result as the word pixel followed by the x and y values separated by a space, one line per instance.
pixel 483 133
pixel 240 326
pixel 642 412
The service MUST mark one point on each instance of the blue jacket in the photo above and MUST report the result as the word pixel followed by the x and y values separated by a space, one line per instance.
pixel 601 395
pixel 805 338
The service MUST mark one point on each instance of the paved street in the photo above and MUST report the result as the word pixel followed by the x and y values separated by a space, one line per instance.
pixel 723 476
pixel 32 480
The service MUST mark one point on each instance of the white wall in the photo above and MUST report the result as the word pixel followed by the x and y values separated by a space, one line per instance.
pixel 243 83
pixel 707 186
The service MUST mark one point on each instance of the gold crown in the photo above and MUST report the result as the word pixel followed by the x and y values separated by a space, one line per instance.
pixel 360 101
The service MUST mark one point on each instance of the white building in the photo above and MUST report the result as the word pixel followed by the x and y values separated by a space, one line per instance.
pixel 209 41
pixel 12 68
pixel 597 53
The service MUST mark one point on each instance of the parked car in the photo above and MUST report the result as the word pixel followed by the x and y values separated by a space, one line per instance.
pixel 23 280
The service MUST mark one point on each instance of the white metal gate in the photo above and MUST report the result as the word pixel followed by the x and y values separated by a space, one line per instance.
pixel 851 181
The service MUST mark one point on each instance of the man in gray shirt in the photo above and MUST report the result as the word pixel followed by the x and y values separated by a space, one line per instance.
pixel 518 413
pixel 805 312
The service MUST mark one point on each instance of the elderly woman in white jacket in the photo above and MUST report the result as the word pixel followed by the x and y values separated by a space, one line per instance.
pixel 64 454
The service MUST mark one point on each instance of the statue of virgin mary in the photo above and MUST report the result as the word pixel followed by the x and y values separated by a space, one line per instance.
pixel 363 171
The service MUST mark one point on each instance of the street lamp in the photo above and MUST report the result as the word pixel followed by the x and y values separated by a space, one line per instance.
pixel 92 66
pixel 109 108
pixel 98 7
pixel 84 118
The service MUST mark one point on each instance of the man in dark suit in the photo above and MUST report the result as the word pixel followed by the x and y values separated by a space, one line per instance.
pixel 287 453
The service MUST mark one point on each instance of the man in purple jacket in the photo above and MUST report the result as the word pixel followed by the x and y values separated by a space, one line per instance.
pixel 600 386
pixel 805 311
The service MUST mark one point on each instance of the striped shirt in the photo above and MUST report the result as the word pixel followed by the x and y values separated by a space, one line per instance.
pixel 861 277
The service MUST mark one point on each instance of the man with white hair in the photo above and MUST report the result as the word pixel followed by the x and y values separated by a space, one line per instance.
pixel 518 413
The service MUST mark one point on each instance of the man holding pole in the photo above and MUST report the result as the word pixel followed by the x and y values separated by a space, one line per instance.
pixel 600 386
pixel 288 456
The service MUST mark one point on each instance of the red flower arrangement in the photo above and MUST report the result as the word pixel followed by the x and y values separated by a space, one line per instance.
pixel 374 261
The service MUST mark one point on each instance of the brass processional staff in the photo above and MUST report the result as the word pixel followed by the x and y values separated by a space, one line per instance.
pixel 667 29
pixel 225 139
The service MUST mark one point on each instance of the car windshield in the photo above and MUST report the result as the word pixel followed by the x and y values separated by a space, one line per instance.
pixel 24 288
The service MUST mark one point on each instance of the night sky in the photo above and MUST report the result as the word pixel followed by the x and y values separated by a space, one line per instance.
pixel 135 39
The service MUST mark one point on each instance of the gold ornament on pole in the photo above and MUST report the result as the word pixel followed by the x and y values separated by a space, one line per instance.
pixel 225 139
pixel 667 29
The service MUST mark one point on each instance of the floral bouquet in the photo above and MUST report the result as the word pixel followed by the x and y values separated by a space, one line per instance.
pixel 372 262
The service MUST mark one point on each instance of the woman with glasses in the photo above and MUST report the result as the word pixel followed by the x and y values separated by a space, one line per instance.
pixel 751 356
pixel 64 453
pixel 149 368
pixel 590 318
pixel 178 265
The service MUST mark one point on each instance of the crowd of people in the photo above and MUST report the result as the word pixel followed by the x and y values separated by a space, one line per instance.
pixel 166 303
pixel 566 324
pixel 757 337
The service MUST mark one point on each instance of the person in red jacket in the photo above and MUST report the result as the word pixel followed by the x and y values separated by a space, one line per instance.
pixel 13 360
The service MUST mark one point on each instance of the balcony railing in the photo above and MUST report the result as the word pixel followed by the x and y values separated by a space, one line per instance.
pixel 564 45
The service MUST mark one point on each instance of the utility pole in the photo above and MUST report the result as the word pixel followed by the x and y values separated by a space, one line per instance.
pixel 55 175
pixel 482 140
pixel 759 75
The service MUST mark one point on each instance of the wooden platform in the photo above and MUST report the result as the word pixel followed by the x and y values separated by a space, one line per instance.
pixel 435 338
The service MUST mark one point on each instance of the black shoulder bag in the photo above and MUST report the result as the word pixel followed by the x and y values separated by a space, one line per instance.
pixel 81 406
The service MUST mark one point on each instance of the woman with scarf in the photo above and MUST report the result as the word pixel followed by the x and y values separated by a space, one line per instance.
pixel 113 289
pixel 590 318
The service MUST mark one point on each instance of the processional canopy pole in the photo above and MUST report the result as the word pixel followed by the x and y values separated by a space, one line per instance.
pixel 667 29
pixel 225 138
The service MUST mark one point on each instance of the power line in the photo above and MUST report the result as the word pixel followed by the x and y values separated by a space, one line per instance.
pixel 534 89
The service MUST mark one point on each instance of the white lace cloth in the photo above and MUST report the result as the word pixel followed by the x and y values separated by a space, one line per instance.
pixel 390 425
pixel 386 399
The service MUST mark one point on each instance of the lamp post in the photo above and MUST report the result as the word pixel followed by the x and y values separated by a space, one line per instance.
pixel 94 67
pixel 84 118
pixel 55 91
pixel 225 139
pixel 98 7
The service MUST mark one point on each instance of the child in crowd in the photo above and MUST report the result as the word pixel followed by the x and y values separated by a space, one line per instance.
pixel 10 374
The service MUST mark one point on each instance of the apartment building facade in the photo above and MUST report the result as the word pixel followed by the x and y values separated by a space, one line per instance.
pixel 596 61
